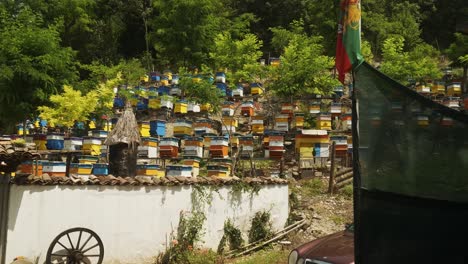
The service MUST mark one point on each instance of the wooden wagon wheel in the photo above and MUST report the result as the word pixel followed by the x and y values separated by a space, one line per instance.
pixel 76 246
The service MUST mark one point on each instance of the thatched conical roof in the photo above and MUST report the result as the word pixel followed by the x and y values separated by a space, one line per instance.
pixel 126 130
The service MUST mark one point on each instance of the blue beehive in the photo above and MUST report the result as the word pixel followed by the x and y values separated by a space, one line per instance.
pixel 55 141
pixel 222 87
pixel 142 104
pixel 158 128
pixel 155 76
pixel 338 90
pixel 175 79
pixel 100 169
pixel 220 77
pixel 119 102
pixel 163 90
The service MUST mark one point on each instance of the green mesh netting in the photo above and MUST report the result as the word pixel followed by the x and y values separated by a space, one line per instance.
pixel 407 143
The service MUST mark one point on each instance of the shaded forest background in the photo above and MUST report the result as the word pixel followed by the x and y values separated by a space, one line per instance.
pixel 46 44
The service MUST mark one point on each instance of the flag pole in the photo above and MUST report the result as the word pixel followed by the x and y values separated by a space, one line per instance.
pixel 356 172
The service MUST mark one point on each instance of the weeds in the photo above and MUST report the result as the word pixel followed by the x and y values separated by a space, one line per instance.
pixel 232 236
pixel 261 227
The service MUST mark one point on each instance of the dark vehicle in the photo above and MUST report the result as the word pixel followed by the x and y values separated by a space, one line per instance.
pixel 337 248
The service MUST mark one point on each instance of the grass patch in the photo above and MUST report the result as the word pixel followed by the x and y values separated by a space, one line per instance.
pixel 265 257
pixel 347 191
pixel 314 186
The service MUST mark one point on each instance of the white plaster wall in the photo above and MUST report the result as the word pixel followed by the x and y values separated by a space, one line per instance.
pixel 134 222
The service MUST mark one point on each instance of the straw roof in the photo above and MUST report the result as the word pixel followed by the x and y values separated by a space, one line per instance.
pixel 126 130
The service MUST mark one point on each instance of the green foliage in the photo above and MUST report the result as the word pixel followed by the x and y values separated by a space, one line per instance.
pixel 265 256
pixel 418 64
pixel 238 55
pixel 232 236
pixel 314 187
pixel 347 191
pixel 189 232
pixel 186 30
pixel 203 257
pixel 72 106
pixel 202 92
pixel 33 65
pixel 458 50
pixel 261 227
pixel 304 70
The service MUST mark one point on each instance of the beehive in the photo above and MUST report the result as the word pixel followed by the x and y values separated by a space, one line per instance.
pixel 282 123
pixel 257 125
pixel 227 109
pixel 154 102
pixel 314 108
pixel 99 134
pixel 423 88
pixel 73 143
pixel 175 91
pixel 193 146
pixel 256 89
pixel 34 167
pixel 310 137
pixel 92 145
pixel 219 147
pixel 158 128
pixel 179 170
pixel 169 148
pixel 238 91
pixel 438 88
pixel 148 147
pixel 246 144
pixel 144 127
pixel 81 168
pixel 100 169
pixel 181 107
pixel 299 120
pixel 454 89
pixel 247 108
pixel 222 88
pixel 220 77
pixel 88 159
pixel 452 102
pixel 324 122
pixel 55 141
pixel 218 171
pixel 193 107
pixel 166 102
pixel 194 162
pixel 276 146
pixel 203 126
pixel 149 170
pixel 54 168
pixel 183 128
pixel 335 109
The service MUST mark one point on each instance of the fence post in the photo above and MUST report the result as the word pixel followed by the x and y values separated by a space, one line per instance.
pixel 331 183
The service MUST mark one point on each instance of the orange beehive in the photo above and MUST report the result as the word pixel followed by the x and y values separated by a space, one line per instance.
pixel 219 147
pixel 169 148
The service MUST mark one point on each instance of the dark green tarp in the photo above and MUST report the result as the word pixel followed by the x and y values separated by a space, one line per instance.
pixel 413 175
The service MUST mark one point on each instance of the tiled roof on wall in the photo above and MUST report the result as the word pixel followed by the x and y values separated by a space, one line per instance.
pixel 138 180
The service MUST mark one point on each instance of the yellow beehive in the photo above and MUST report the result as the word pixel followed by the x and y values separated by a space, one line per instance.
pixel 324 122
pixel 180 107
pixel 205 107
pixel 154 103
pixel 229 121
pixel 306 152
pixel 256 91
pixel 144 78
pixel 107 126
pixel 234 141
pixel 144 129
pixel 92 146
pixel 299 120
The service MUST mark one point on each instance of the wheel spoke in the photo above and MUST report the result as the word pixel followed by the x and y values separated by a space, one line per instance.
pixel 79 239
pixel 69 240
pixel 68 250
pixel 86 242
pixel 88 249
pixel 59 255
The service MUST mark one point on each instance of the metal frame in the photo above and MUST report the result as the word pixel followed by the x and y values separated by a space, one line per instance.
pixel 4 213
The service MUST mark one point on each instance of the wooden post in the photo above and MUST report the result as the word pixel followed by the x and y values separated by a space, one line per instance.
pixel 68 162
pixel 331 182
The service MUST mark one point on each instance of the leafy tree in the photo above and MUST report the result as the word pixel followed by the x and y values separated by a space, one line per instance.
pixel 419 63
pixel 384 18
pixel 185 30
pixel 236 55
pixel 458 53
pixel 33 65
pixel 72 106
pixel 201 92
pixel 304 69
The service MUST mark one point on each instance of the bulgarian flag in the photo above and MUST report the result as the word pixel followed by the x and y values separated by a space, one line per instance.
pixel 348 45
